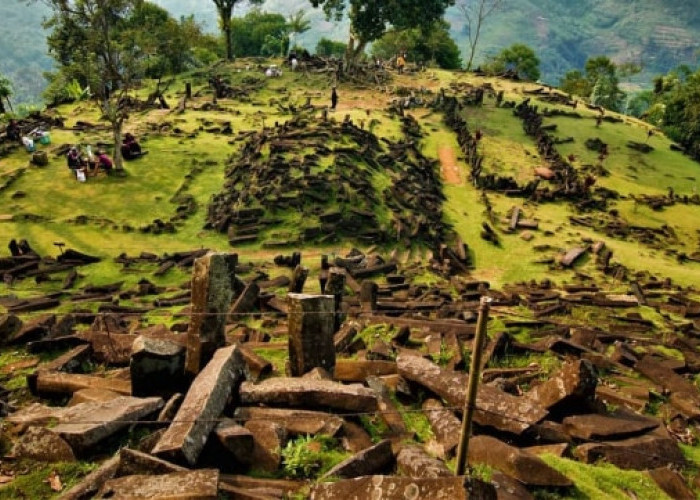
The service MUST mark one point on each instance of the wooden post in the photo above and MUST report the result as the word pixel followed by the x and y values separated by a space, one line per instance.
pixel 474 375
pixel 188 90
pixel 368 296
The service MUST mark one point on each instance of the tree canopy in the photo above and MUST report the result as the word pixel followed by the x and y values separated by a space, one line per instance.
pixel 370 19
pixel 518 58
pixel 423 46
pixel 224 9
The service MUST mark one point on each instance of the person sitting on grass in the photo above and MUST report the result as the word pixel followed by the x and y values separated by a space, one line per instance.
pixel 75 162
pixel 104 162
pixel 131 149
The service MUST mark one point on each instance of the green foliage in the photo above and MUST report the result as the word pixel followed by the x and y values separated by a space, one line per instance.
pixel 677 107
pixel 426 46
pixel 518 58
pixel 604 481
pixel 225 10
pixel 34 485
pixel 574 82
pixel 259 33
pixel 330 48
pixel 5 91
pixel 306 456
pixel 369 19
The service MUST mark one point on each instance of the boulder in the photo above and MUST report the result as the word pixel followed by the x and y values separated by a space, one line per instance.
pixel 268 441
pixel 38 443
pixel 575 380
pixel 644 452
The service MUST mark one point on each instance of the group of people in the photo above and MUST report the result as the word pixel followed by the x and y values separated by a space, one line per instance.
pixel 83 162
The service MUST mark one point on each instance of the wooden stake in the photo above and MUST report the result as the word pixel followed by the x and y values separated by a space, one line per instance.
pixel 474 376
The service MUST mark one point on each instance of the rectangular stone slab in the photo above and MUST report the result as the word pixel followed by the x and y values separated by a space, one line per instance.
pixel 294 421
pixel 401 488
pixel 495 408
pixel 204 402
pixel 86 424
pixel 308 393
pixel 200 484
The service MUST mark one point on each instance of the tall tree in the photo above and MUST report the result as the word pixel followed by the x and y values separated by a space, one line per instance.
pixel 475 13
pixel 5 93
pixel 370 19
pixel 108 59
pixel 225 10
pixel 297 24
pixel 518 58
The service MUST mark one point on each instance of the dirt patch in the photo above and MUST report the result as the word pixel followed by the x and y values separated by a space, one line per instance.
pixel 450 169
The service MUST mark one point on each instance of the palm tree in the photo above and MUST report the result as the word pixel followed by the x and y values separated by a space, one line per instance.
pixel 297 24
pixel 5 93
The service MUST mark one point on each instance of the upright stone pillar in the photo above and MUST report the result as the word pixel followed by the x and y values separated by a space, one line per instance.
pixel 368 296
pixel 213 281
pixel 311 329
pixel 335 287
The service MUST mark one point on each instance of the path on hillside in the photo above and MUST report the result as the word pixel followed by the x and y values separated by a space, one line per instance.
pixel 448 161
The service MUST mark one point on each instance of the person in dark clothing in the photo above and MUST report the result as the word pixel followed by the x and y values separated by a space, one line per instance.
pixel 104 162
pixel 334 98
pixel 74 160
pixel 131 149
pixel 13 131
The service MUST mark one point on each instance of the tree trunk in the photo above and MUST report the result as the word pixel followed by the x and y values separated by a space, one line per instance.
pixel 2 107
pixel 10 105
pixel 229 41
pixel 117 131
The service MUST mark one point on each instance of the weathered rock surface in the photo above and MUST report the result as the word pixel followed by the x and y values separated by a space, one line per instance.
pixel 311 330
pixel 445 425
pixel 296 422
pixel 157 367
pixel 38 443
pixel 413 461
pixel 376 459
pixel 202 484
pixel 307 393
pixel 204 402
pixel 402 488
pixel 644 452
pixel 519 464
pixel 268 441
pixel 596 427
pixel 575 380
pixel 87 424
pixel 495 408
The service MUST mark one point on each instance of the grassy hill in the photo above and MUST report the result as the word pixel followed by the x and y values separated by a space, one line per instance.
pixel 365 177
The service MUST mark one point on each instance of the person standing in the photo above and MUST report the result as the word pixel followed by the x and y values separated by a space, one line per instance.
pixel 334 98
pixel 400 63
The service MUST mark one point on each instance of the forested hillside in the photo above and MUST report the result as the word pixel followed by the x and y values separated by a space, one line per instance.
pixel 658 34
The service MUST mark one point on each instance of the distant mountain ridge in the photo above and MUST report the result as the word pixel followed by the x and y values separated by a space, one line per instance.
pixel 661 34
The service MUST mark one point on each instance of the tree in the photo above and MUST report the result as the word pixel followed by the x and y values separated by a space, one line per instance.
pixel 423 45
pixel 370 19
pixel 108 57
pixel 574 82
pixel 518 58
pixel 5 93
pixel 475 13
pixel 330 48
pixel 297 24
pixel 259 33
pixel 224 9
